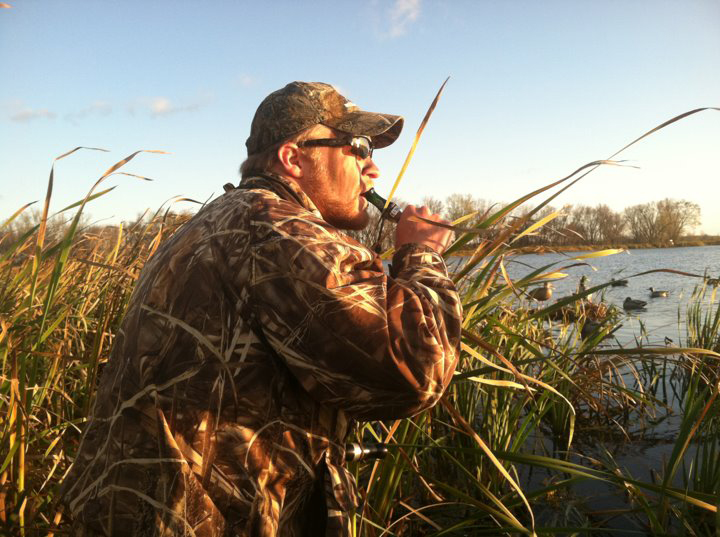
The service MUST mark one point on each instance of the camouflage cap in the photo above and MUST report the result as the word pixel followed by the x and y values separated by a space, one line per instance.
pixel 300 105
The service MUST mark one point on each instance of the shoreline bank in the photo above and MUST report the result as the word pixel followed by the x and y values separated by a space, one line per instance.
pixel 542 249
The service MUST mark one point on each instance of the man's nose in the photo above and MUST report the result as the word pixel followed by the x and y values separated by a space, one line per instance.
pixel 370 171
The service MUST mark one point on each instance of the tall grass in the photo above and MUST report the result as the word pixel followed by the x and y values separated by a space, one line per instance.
pixel 60 306
pixel 519 429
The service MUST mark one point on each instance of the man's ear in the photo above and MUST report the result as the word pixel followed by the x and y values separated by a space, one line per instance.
pixel 290 161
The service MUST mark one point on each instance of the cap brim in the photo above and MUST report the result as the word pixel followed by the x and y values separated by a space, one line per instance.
pixel 384 129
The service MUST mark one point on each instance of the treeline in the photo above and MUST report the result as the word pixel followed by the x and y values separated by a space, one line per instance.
pixel 660 223
pixel 89 235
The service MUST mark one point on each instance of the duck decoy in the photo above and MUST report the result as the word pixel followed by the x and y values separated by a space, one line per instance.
pixel 618 283
pixel 543 293
pixel 582 287
pixel 657 294
pixel 589 328
pixel 631 304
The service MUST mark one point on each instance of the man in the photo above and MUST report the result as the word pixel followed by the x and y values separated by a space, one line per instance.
pixel 259 333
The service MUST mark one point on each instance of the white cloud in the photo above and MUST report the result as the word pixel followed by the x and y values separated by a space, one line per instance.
pixel 102 108
pixel 402 14
pixel 246 80
pixel 20 112
pixel 26 113
pixel 98 108
pixel 162 106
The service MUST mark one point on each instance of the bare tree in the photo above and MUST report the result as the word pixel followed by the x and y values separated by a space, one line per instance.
pixel 662 221
pixel 57 224
pixel 583 224
pixel 611 224
pixel 433 204
pixel 642 222
pixel 676 217
pixel 458 205
pixel 556 230
pixel 596 225
pixel 656 222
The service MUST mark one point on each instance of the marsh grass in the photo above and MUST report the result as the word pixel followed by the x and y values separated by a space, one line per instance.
pixel 60 306
pixel 531 394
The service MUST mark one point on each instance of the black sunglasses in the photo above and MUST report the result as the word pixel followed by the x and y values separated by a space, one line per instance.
pixel 361 146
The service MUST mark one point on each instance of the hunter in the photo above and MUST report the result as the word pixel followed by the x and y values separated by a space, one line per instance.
pixel 260 334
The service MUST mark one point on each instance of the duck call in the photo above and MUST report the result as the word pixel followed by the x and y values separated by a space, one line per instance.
pixel 392 212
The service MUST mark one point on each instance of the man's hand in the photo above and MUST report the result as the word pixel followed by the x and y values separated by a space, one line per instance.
pixel 411 230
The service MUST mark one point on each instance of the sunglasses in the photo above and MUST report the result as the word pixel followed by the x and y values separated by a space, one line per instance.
pixel 360 146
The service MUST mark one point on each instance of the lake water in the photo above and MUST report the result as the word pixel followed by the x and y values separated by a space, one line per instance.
pixel 649 448
pixel 663 317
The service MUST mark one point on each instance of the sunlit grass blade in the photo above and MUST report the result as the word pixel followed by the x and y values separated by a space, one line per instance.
pixel 600 253
pixel 418 134
pixel 535 390
pixel 662 126
pixel 537 225
pixel 16 214
pixel 469 430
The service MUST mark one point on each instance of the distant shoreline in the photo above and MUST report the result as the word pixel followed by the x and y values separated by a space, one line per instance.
pixel 540 249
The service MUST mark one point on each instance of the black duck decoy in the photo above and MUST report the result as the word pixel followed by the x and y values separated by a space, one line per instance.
pixel 589 328
pixel 631 304
pixel 582 287
pixel 618 283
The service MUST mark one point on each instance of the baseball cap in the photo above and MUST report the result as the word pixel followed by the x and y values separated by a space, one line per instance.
pixel 300 105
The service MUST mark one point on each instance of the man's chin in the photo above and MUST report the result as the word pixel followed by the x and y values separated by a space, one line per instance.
pixel 351 223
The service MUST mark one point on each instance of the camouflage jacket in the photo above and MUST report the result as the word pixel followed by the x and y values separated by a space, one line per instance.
pixel 254 338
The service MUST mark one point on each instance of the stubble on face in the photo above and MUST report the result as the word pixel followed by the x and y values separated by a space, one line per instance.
pixel 335 189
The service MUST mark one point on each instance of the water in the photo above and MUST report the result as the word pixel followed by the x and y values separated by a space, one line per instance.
pixel 650 446
pixel 663 317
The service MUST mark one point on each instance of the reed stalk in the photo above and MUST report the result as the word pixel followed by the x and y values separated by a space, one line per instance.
pixel 531 394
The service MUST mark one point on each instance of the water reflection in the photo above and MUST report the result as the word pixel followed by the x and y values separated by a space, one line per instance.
pixel 662 317
pixel 638 436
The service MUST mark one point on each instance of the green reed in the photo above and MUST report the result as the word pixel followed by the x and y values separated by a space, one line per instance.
pixel 530 393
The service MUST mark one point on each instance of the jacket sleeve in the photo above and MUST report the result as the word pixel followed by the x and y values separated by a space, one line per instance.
pixel 373 345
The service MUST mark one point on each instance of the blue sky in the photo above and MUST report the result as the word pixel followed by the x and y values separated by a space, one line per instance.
pixel 537 89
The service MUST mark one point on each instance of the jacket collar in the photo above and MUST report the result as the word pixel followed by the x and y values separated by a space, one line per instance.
pixel 286 189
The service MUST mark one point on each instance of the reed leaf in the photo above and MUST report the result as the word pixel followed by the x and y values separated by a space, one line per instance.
pixel 418 134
